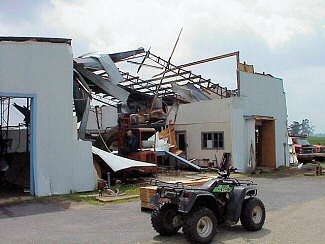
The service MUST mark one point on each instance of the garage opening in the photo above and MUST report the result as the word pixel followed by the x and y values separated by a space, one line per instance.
pixel 265 142
pixel 16 176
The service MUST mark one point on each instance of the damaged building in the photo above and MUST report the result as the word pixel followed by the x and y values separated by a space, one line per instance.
pixel 76 112
pixel 247 124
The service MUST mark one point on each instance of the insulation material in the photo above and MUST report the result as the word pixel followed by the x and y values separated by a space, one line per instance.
pixel 117 163
pixel 160 144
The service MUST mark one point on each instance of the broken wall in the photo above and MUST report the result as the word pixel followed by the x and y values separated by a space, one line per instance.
pixel 260 95
pixel 43 71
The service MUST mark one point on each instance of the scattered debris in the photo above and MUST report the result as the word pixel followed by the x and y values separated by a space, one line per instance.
pixel 312 170
pixel 183 160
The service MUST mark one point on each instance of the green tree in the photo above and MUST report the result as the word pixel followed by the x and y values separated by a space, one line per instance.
pixel 294 128
pixel 304 128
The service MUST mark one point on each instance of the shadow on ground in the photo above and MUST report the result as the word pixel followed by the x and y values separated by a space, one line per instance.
pixel 33 207
pixel 224 234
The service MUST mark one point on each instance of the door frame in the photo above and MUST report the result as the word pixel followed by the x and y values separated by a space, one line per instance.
pixel 33 128
pixel 266 149
pixel 182 132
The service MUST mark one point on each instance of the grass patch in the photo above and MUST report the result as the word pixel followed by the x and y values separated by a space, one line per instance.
pixel 128 189
pixel 316 140
pixel 90 197
pixel 87 198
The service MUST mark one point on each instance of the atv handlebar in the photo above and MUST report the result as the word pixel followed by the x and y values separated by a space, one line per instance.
pixel 225 172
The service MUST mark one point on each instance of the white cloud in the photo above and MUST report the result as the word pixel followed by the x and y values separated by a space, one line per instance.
pixel 11 29
pixel 282 37
pixel 119 25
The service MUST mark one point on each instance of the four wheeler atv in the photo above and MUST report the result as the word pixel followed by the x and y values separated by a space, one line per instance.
pixel 198 210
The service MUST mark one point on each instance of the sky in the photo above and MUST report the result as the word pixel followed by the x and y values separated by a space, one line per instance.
pixel 285 38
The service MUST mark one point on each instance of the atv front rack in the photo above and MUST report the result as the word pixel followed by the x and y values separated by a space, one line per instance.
pixel 167 189
pixel 176 185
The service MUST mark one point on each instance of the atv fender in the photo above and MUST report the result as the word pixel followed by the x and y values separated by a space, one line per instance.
pixel 236 201
pixel 205 198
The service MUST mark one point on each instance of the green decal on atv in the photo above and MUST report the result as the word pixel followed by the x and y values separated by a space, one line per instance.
pixel 223 188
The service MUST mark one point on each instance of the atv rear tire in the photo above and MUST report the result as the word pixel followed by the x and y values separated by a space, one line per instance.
pixel 200 226
pixel 252 215
pixel 165 219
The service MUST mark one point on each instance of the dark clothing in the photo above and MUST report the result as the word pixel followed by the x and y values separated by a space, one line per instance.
pixel 132 145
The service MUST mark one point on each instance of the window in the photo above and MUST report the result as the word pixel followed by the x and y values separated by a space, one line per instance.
pixel 212 140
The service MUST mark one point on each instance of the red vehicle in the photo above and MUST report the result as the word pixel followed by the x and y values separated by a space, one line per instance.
pixel 304 150
pixel 319 152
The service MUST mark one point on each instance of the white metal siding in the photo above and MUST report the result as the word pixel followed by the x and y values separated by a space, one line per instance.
pixel 45 70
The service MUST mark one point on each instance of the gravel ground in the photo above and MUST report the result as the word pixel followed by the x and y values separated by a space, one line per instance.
pixel 294 205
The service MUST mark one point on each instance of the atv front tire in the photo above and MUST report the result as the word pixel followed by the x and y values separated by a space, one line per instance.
pixel 200 226
pixel 165 219
pixel 252 214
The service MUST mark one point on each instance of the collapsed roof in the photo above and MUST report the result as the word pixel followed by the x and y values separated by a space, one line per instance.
pixel 104 77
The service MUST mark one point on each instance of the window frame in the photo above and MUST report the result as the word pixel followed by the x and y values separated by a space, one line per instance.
pixel 213 139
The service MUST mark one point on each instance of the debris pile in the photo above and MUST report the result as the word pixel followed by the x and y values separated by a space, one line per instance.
pixel 140 102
